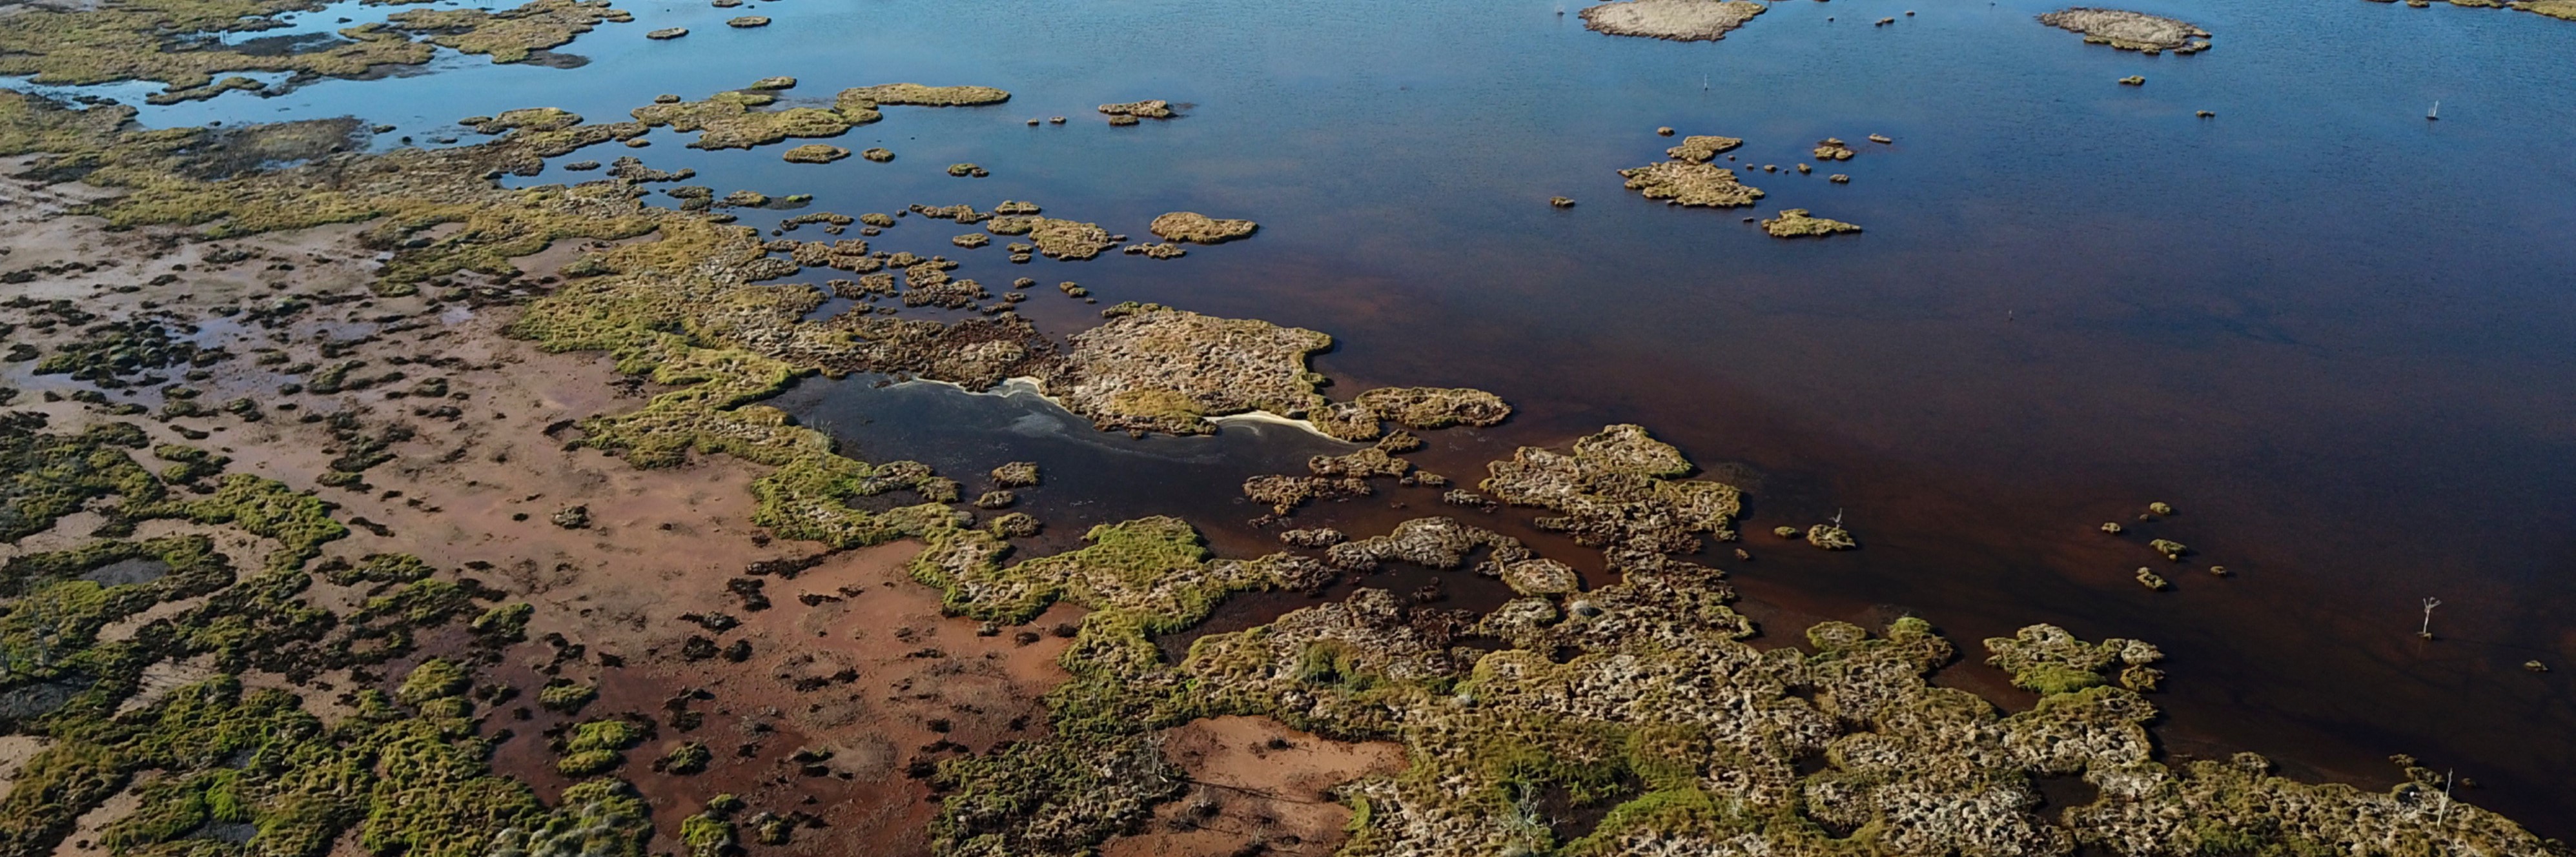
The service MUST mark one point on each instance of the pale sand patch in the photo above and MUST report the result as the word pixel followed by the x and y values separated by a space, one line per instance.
pixel 83 840
pixel 161 677
pixel 15 750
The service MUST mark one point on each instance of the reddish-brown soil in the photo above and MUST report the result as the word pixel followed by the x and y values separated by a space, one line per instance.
pixel 1256 782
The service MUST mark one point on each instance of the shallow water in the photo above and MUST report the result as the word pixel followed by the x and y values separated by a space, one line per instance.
pixel 1086 477
pixel 127 571
pixel 37 699
pixel 2336 335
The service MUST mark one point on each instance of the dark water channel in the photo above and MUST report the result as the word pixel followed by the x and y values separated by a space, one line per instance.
pixel 1087 477
pixel 2339 338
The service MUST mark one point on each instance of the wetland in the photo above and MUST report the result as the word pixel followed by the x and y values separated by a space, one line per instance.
pixel 386 477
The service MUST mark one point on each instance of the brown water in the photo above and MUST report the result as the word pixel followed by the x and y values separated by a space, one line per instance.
pixel 2333 334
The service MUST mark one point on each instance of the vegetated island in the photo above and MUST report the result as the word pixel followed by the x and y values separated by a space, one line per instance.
pixel 1198 228
pixel 1678 20
pixel 1796 223
pixel 1690 178
pixel 2130 31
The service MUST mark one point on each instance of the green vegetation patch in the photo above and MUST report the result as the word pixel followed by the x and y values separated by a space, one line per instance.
pixel 1619 490
pixel 728 120
pixel 53 605
pixel 1159 369
pixel 408 777
pixel 186 43
pixel 566 695
pixel 46 476
pixel 1101 773
pixel 596 746
pixel 510 35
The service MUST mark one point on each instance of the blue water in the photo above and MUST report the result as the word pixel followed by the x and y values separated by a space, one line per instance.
pixel 2338 335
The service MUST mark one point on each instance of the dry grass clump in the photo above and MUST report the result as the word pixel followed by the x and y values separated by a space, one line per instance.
pixel 1196 228
pixel 814 153
pixel 1702 149
pixel 917 95
pixel 1129 112
pixel 1797 223
pixel 1685 183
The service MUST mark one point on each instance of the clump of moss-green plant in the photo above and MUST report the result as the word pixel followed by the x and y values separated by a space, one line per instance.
pixel 689 757
pixel 710 832
pixel 30 124
pixel 1691 184
pixel 375 568
pixel 2047 660
pixel 110 352
pixel 594 818
pixel 596 746
pixel 1153 572
pixel 53 475
pixel 434 679
pixel 53 605
pixel 566 696
pixel 407 776
pixel 1091 790
pixel 503 623
pixel 188 463
pixel 299 522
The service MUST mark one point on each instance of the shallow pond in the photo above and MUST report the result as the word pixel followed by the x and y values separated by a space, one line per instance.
pixel 127 571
